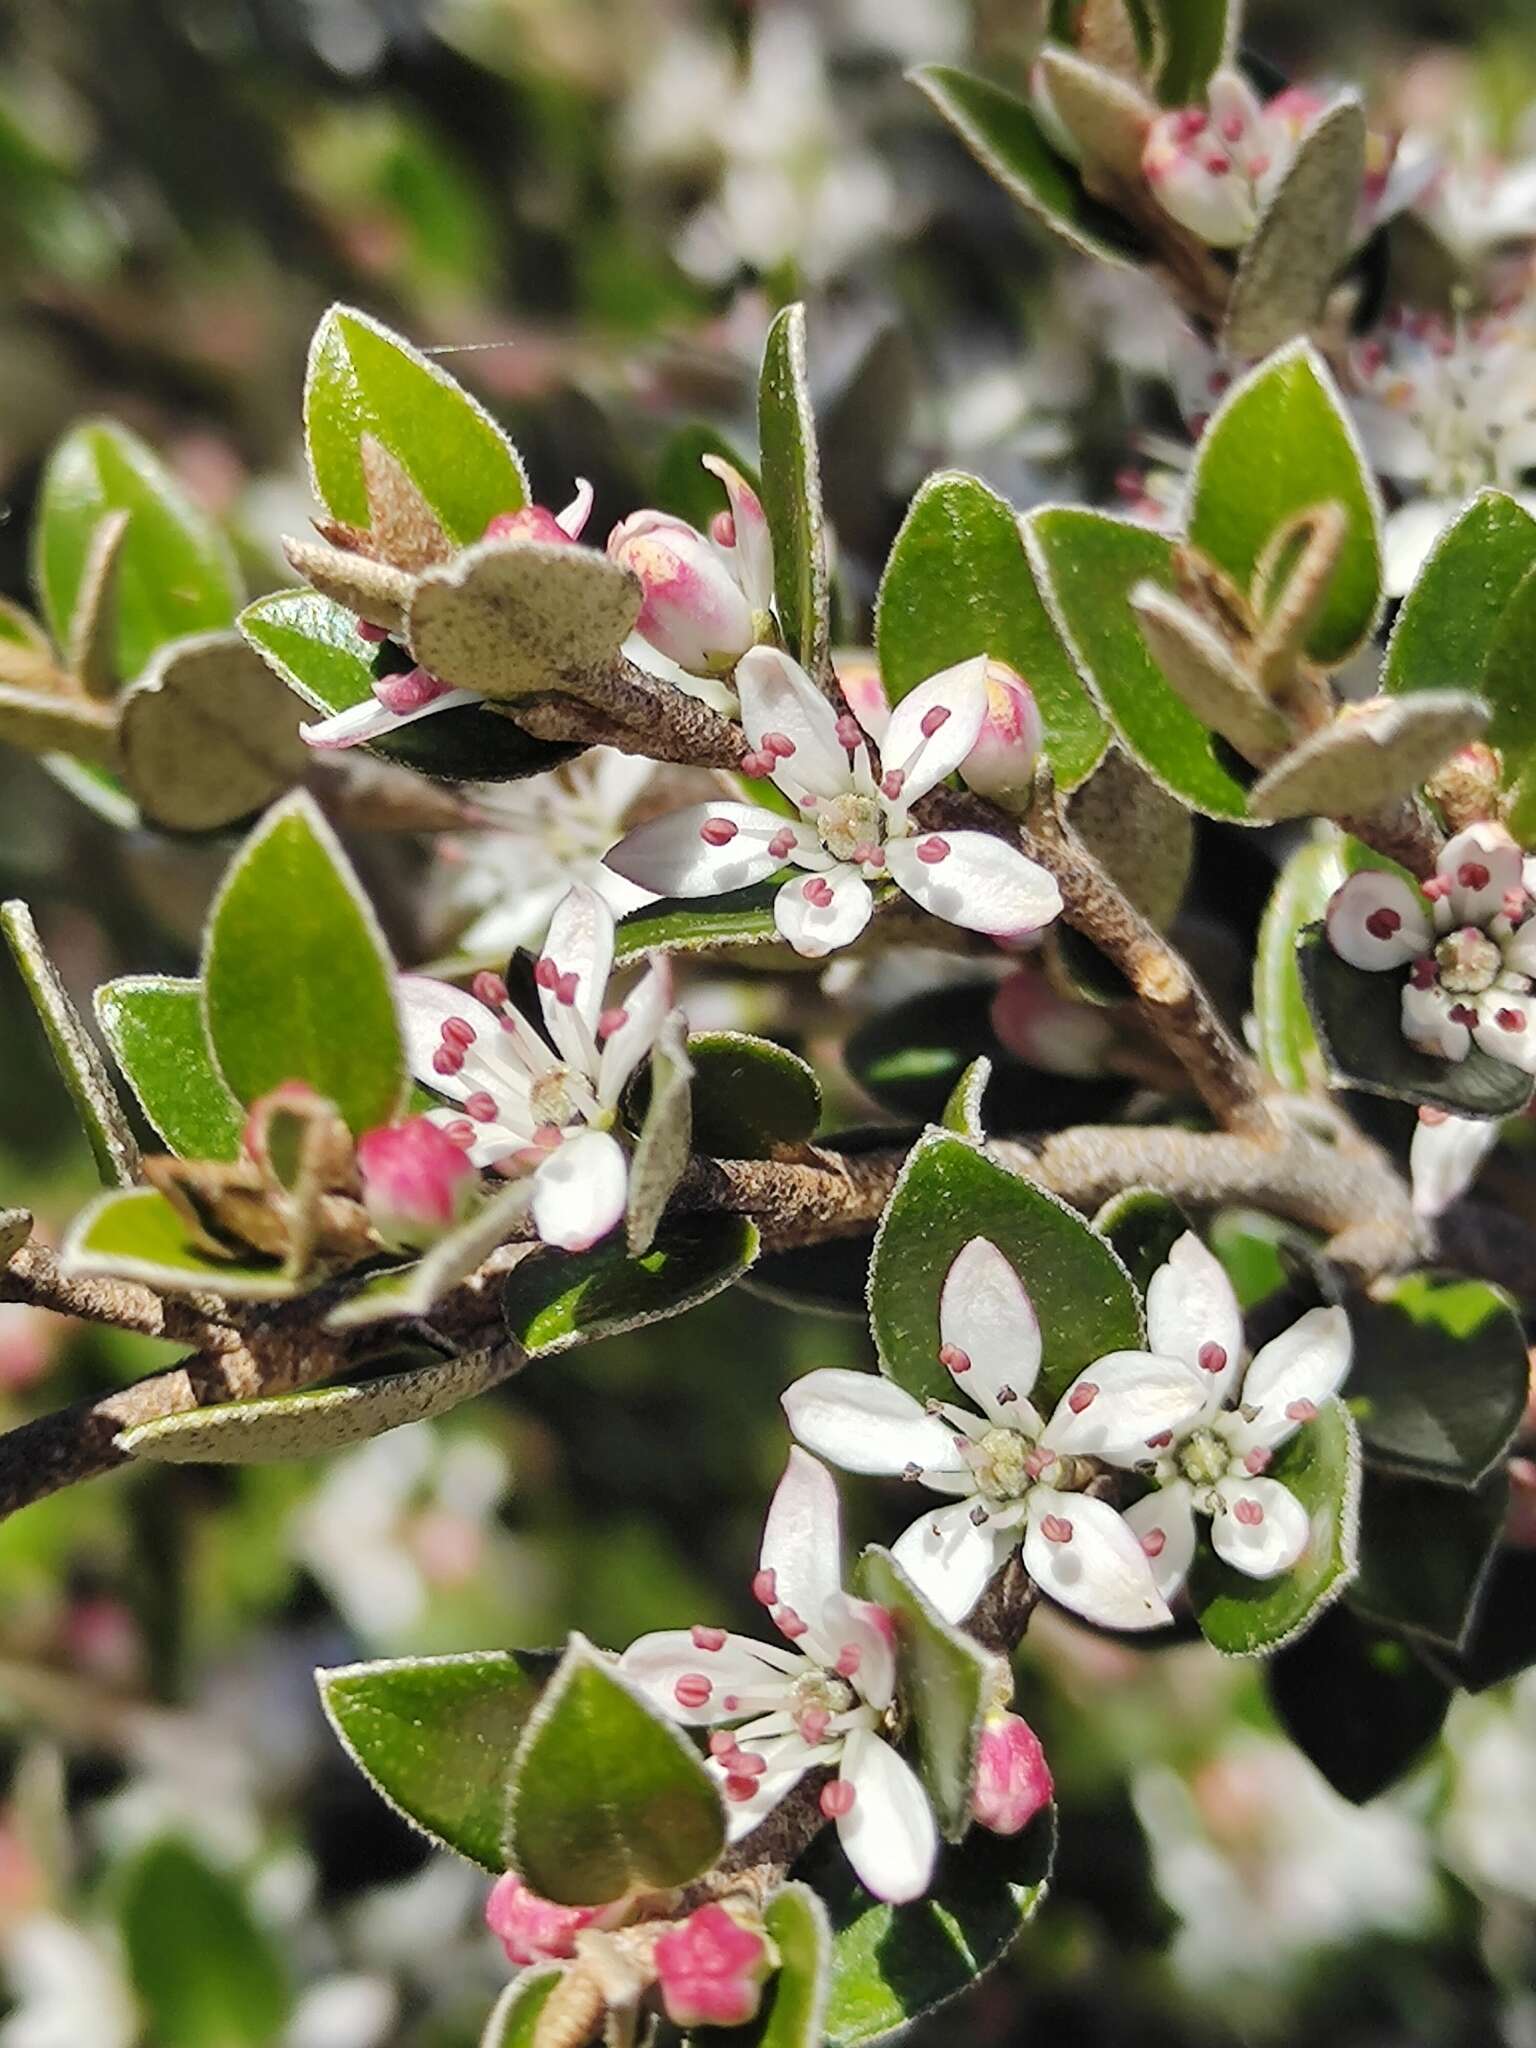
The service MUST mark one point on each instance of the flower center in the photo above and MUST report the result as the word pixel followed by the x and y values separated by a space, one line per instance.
pixel 849 823
pixel 1203 1457
pixel 1003 1471
pixel 1469 962
pixel 551 1099
pixel 821 1692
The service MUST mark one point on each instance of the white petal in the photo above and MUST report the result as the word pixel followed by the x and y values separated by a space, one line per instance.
pixel 491 1065
pixel 1408 536
pixel 580 942
pixel 578 1193
pixel 982 883
pixel 1486 850
pixel 861 1625
pixel 645 1009
pixel 656 1662
pixel 985 1312
pixel 1429 1026
pixel 803 1538
pixel 949 1558
pixel 1265 1547
pixel 370 720
pixel 743 1815
pixel 925 759
pixel 778 697
pixel 669 855
pixel 1384 897
pixel 1445 1158
pixel 573 519
pixel 492 1143
pixel 752 556
pixel 814 929
pixel 889 1834
pixel 1100 1570
pixel 1191 1307
pixel 1122 1401
pixel 1520 949
pixel 864 1423
pixel 1497 1039
pixel 1164 1525
pixel 1304 1364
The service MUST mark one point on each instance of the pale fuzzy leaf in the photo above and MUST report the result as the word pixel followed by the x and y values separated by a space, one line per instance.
pixel 1303 238
pixel 15 1230
pixel 1201 671
pixel 666 1138
pixel 91 656
pixel 405 531
pixel 509 617
pixel 1107 115
pixel 375 591
pixel 209 734
pixel 44 722
pixel 1369 756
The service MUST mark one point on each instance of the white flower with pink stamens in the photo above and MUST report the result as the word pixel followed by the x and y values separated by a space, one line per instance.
pixel 1214 1461
pixel 707 597
pixel 526 1107
pixel 1214 168
pixel 856 830
pixel 1017 1479
pixel 401 699
pixel 1469 942
pixel 826 1700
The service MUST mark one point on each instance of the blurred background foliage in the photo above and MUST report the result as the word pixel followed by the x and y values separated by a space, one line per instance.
pixel 603 200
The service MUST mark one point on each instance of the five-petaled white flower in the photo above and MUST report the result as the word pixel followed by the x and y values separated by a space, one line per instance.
pixel 1469 939
pixel 402 698
pixel 527 1109
pixel 857 830
pixel 1011 1470
pixel 824 1701
pixel 1213 1461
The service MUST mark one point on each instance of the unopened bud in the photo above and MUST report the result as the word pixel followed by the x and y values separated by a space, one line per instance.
pixel 1001 765
pixel 529 522
pixel 711 1970
pixel 531 1929
pixel 1013 1779
pixel 417 1183
pixel 1214 168
pixel 1045 1030
pixel 694 610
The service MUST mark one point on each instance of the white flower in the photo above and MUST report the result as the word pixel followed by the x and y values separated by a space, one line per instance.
pixel 1445 1158
pixel 401 699
pixel 1471 940
pixel 551 831
pixel 858 830
pixel 825 1701
pixel 1214 168
pixel 1212 1460
pixel 527 1109
pixel 1010 1471
pixel 1444 408
pixel 1477 200
pixel 705 596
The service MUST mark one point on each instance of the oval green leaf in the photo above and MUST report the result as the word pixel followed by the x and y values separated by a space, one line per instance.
pixel 154 1025
pixel 1357 1702
pixel 750 1096
pixel 514 2020
pixel 554 1300
pixel 1449 619
pixel 135 1234
pixel 206 1972
pixel 1426 1553
pixel 741 917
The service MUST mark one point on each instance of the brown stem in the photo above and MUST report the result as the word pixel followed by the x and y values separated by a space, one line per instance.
pixel 1404 832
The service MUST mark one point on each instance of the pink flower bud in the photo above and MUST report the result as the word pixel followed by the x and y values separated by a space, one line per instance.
pixel 530 522
pixel 1013 1779
pixel 711 1970
pixel 1001 765
pixel 1045 1030
pixel 531 1929
pixel 694 610
pixel 417 1183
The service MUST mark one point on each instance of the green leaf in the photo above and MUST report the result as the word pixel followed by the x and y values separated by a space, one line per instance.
pixel 890 1964
pixel 1001 132
pixel 1502 1642
pixel 1303 238
pixel 741 917
pixel 154 1025
pixel 314 645
pixel 794 2010
pixel 1509 688
pixel 81 1066
pixel 1440 1375
pixel 554 1300
pixel 605 1794
pixel 1358 1020
pixel 1279 444
pixel 1196 37
pixel 514 2020
pixel 786 431
pixel 958 583
pixel 175 572
pixel 1263 1254
pixel 1246 1617
pixel 1357 1703
pixel 135 1234
pixel 1286 1043
pixel 297 980
pixel 1088 565
pixel 316 1421
pixel 962 1112
pixel 665 1143
pixel 751 1097
pixel 1425 1554
pixel 946 1681
pixel 206 1972
pixel 1450 618
pixel 949 1193
pixel 363 379
pixel 1143 1226
pixel 208 735
pixel 436 1736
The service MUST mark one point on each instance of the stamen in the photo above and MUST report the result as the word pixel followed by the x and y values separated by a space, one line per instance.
pixel 490 989
pixel 1463 1013
pixel 1436 888
pixel 481 1106
pixel 458 1031
pixel 718 831
pixel 611 1021
pixel 869 855
pixel 765 1588
pixel 371 633
pixel 782 844
pixel 1212 1358
pixel 1039 1460
pixel 546 973
pixel 722 1742
pixel 1056 1529
pixel 932 719
pixel 849 731
pixel 849 1657
pixel 447 1060
pixel 979 1516
pixel 548 1137
pixel 931 851
pixel 692 1691
pixel 1154 1543
pixel 837 1799
pixel 740 1789
pixel 1249 1513
pixel 1509 1020
pixel 953 1359
pixel 1473 875
pixel 790 1624
pixel 911 1472
pixel 1082 1397
pixel 1161 1441
pixel 818 892
pixel 708 1638
pixel 1258 1460
pixel 460 1133
pixel 1383 923
pixel 566 988
pixel 746 1763
pixel 892 783
pixel 1423 974
pixel 1301 1411
pixel 755 766
pixel 1005 1395
pixel 813 1724
pixel 778 745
